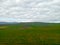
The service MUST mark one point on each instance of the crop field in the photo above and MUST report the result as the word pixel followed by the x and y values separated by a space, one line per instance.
pixel 22 34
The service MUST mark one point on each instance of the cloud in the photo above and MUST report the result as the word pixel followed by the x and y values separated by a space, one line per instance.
pixel 30 10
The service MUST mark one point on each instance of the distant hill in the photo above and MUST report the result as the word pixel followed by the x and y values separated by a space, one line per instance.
pixel 38 24
pixel 30 23
pixel 7 23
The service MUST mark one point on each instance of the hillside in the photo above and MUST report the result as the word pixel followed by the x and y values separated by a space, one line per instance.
pixel 30 33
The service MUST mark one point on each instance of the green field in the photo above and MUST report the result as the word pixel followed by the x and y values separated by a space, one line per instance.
pixel 30 34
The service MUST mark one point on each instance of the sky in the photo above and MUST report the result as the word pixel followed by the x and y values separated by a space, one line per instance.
pixel 30 11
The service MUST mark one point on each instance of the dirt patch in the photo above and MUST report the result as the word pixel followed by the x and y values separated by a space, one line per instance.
pixel 3 27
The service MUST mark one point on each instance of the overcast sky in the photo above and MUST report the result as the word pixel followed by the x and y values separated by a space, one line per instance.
pixel 30 11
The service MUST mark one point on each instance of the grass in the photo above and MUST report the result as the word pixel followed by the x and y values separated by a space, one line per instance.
pixel 20 34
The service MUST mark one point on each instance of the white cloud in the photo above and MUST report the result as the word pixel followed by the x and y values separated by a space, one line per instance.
pixel 30 10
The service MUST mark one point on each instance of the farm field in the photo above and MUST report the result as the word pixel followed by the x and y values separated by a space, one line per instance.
pixel 30 34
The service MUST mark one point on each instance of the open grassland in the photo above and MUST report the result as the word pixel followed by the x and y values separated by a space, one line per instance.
pixel 22 34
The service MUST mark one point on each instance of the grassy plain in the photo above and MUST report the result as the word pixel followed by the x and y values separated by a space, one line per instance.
pixel 30 34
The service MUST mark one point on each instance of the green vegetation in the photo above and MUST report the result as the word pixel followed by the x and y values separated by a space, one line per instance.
pixel 30 34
